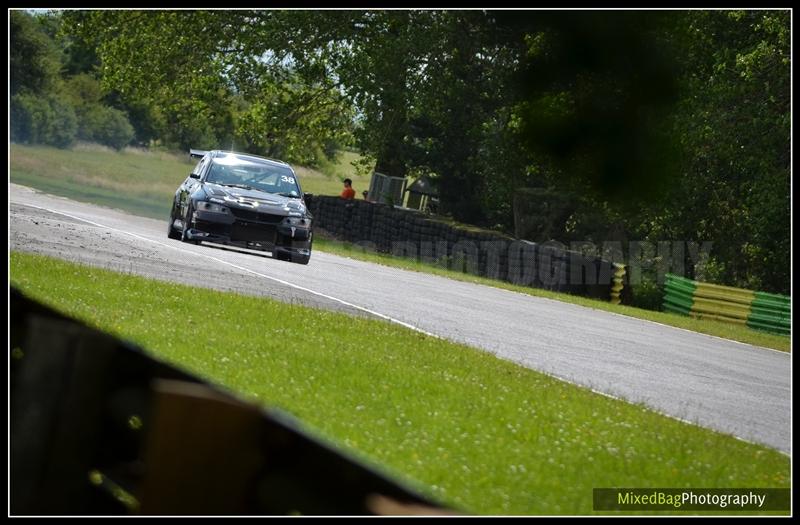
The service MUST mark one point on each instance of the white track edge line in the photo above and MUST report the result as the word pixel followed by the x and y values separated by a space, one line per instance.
pixel 281 281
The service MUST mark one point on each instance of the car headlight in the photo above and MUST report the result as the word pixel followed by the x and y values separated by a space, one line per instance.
pixel 210 206
pixel 295 208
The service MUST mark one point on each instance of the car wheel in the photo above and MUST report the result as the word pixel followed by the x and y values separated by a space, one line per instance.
pixel 187 221
pixel 301 259
pixel 171 233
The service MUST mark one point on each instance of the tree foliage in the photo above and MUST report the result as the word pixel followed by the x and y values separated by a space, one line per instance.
pixel 734 126
pixel 55 99
pixel 42 119
pixel 214 81
pixel 33 58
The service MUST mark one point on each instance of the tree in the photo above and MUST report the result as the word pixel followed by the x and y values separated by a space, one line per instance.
pixel 734 125
pixel 211 77
pixel 42 119
pixel 33 59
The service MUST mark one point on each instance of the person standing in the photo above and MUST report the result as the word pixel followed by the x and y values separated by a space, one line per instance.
pixel 348 192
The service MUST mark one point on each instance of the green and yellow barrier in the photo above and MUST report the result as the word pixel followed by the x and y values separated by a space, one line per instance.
pixel 616 282
pixel 759 310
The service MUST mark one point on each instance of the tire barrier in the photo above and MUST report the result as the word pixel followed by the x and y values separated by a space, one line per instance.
pixel 98 427
pixel 617 283
pixel 408 233
pixel 759 310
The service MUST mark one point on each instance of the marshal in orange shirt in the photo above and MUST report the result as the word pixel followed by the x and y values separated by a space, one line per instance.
pixel 348 193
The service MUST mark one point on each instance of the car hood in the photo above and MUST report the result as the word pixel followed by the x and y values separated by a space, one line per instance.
pixel 247 197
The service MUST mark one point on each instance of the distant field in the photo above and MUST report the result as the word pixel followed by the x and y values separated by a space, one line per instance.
pixel 140 182
pixel 327 179
pixel 472 430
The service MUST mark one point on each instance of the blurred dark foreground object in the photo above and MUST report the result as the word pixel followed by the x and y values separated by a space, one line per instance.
pixel 600 91
pixel 100 428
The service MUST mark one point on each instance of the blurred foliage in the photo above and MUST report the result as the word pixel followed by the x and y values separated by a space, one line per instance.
pixel 215 82
pixel 597 87
pixel 96 121
pixel 733 124
pixel 33 57
pixel 55 99
pixel 107 126
pixel 42 119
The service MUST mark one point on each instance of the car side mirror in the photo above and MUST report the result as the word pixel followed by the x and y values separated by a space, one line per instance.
pixel 194 175
pixel 307 196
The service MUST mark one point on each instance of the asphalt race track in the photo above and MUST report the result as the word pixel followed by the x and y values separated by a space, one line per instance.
pixel 728 386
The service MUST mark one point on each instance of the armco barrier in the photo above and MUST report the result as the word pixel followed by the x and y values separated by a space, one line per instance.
pixel 98 427
pixel 412 234
pixel 759 310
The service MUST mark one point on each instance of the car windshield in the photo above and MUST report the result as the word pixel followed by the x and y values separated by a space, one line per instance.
pixel 241 173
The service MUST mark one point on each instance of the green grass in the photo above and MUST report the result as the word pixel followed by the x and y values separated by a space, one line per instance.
pixel 143 183
pixel 136 181
pixel 705 326
pixel 472 430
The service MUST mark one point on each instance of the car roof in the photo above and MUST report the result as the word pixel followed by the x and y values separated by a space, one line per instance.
pixel 220 153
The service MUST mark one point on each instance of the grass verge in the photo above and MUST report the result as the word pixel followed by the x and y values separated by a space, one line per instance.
pixel 705 326
pixel 472 430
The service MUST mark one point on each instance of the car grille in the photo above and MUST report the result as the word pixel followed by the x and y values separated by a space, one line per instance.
pixel 251 231
pixel 252 215
pixel 213 228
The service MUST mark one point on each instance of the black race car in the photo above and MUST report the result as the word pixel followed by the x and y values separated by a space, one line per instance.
pixel 246 201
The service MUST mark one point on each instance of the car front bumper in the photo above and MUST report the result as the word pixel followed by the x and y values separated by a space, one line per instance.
pixel 257 231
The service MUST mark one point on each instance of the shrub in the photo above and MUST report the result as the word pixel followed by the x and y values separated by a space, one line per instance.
pixel 647 294
pixel 107 126
pixel 42 120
